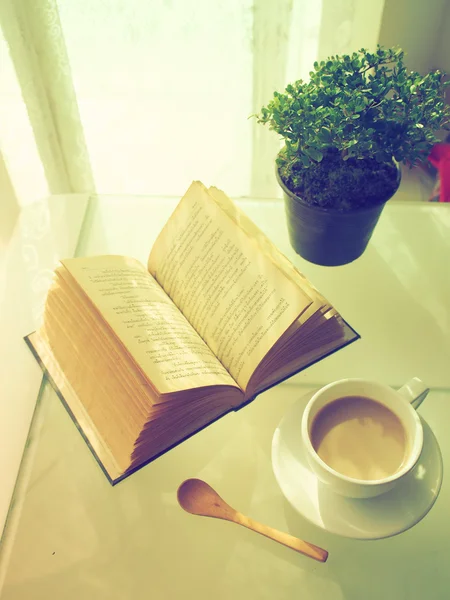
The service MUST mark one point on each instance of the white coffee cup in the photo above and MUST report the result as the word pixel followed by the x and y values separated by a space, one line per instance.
pixel 402 403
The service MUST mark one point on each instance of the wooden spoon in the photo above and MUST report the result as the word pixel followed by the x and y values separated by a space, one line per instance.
pixel 198 498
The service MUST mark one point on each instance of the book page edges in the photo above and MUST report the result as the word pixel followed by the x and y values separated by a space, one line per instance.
pixel 70 399
pixel 83 423
pixel 350 336
pixel 76 411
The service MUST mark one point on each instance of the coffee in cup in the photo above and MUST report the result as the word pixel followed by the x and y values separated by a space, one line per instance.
pixel 359 437
pixel 362 437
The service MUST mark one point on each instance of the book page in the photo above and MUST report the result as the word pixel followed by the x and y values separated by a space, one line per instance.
pixel 237 299
pixel 266 245
pixel 159 338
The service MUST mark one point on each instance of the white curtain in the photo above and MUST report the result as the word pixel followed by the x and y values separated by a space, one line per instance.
pixel 133 97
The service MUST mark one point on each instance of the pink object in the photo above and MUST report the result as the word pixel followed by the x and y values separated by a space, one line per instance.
pixel 439 157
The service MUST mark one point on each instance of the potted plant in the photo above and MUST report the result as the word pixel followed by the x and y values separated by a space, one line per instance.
pixel 345 131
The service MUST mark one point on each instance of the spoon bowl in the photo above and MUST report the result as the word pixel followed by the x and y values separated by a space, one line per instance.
pixel 198 498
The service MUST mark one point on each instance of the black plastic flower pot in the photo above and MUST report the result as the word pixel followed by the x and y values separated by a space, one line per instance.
pixel 326 236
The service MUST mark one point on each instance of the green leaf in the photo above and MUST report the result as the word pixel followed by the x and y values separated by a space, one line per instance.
pixel 324 135
pixel 305 160
pixel 314 154
pixel 364 105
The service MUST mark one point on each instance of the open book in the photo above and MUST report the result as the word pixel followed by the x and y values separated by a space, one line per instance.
pixel 144 357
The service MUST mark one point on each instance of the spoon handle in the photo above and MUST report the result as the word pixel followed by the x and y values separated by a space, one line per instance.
pixel 283 538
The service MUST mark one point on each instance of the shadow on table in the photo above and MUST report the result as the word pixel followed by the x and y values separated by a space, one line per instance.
pixel 78 532
pixel 396 297
pixel 410 565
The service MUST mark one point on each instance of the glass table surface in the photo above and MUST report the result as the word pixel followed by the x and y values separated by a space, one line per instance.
pixel 71 535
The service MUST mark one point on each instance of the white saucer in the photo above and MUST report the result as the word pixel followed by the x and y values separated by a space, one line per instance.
pixel 368 519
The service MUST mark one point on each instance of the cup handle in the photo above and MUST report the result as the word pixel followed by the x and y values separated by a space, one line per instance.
pixel 414 391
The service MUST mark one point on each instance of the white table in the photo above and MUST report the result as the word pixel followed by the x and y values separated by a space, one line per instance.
pixel 71 535
pixel 30 246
